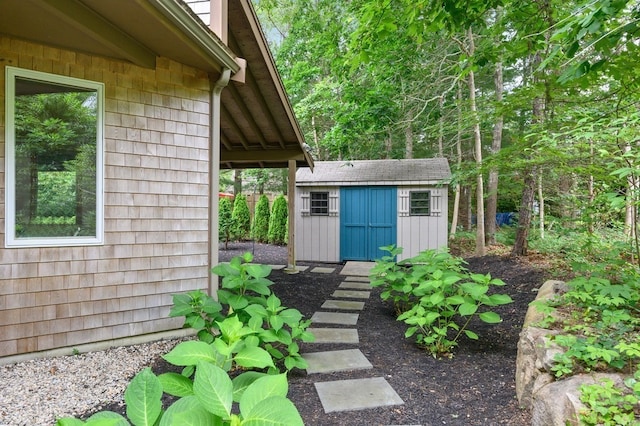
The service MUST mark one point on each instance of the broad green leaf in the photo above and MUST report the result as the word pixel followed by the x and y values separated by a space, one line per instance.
pixel 261 389
pixel 69 421
pixel 190 353
pixel 176 384
pixel 490 317
pixel 475 290
pixel 107 418
pixel 144 398
pixel 467 309
pixel 273 411
pixel 471 335
pixel 188 411
pixel 436 298
pixel 500 299
pixel 455 300
pixel 253 357
pixel 290 316
pixel 242 382
pixel 258 271
pixel 214 389
pixel 276 322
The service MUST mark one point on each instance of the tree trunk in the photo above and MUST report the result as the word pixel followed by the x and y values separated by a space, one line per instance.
pixel 541 206
pixel 477 138
pixel 408 141
pixel 441 126
pixel 237 182
pixel 456 200
pixel 496 145
pixel 521 243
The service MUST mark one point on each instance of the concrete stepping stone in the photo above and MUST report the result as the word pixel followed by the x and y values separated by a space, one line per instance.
pixel 357 268
pixel 356 278
pixel 323 270
pixel 301 268
pixel 352 294
pixel 334 361
pixel 355 285
pixel 277 267
pixel 334 318
pixel 343 304
pixel 334 335
pixel 357 394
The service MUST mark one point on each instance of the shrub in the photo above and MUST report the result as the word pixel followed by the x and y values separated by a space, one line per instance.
pixel 225 224
pixel 241 218
pixel 278 221
pixel 436 296
pixel 247 307
pixel 260 227
pixel 208 398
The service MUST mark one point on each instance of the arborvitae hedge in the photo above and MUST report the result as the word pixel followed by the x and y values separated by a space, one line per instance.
pixel 225 223
pixel 241 218
pixel 278 221
pixel 260 227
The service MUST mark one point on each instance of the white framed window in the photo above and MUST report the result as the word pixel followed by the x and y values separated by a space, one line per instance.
pixel 319 203
pixel 420 203
pixel 54 160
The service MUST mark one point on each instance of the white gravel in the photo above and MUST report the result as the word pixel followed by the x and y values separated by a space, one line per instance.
pixel 37 392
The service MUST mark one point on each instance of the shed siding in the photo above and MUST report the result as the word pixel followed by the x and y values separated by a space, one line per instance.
pixel 156 211
pixel 317 237
pixel 418 233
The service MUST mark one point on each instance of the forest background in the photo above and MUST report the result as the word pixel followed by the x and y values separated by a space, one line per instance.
pixel 534 103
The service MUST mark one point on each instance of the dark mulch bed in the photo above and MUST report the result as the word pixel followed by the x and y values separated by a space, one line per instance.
pixel 475 387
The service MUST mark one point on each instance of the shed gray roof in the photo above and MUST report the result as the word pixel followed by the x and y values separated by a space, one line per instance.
pixel 379 172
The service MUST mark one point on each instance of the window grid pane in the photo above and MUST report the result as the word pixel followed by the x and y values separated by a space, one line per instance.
pixel 420 203
pixel 319 203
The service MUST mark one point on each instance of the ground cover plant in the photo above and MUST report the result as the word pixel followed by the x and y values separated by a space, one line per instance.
pixel 436 296
pixel 599 322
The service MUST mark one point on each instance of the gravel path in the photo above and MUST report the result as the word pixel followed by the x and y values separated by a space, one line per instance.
pixel 39 391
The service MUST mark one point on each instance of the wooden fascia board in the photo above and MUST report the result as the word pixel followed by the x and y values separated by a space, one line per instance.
pixel 97 28
pixel 210 47
pixel 238 156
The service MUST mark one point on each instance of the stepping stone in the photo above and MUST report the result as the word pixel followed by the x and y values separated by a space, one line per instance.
pixel 352 294
pixel 357 268
pixel 360 279
pixel 334 335
pixel 321 270
pixel 301 268
pixel 333 361
pixel 355 285
pixel 343 304
pixel 334 318
pixel 277 267
pixel 358 394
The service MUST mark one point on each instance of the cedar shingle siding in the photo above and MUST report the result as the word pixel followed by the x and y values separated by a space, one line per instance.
pixel 156 210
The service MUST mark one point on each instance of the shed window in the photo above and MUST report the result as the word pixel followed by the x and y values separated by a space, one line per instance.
pixel 54 160
pixel 319 204
pixel 420 203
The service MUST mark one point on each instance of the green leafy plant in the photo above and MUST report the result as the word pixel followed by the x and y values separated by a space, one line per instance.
pixel 241 218
pixel 225 223
pixel 436 296
pixel 599 319
pixel 206 399
pixel 245 295
pixel 260 226
pixel 608 405
pixel 278 221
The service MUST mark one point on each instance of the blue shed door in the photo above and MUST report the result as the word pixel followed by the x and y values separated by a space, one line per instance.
pixel 367 221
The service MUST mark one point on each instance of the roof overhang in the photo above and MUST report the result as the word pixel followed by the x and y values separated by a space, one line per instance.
pixel 258 125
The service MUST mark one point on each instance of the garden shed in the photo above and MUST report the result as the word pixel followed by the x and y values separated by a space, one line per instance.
pixel 116 117
pixel 346 210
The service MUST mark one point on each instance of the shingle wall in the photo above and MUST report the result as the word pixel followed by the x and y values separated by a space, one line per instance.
pixel 156 215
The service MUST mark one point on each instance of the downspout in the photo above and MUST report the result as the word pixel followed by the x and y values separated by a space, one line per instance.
pixel 214 176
